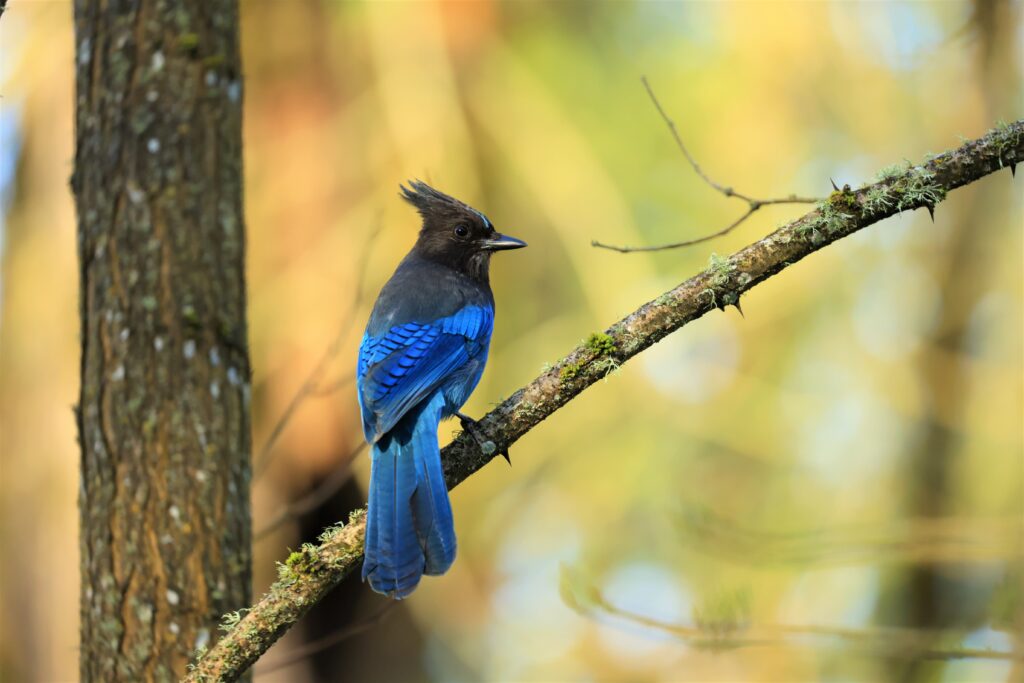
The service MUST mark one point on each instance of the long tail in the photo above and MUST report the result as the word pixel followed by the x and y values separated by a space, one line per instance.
pixel 409 527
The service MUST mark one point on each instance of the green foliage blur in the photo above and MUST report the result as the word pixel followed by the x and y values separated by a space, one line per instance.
pixel 828 488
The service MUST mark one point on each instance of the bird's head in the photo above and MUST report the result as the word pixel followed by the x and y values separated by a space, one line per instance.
pixel 454 233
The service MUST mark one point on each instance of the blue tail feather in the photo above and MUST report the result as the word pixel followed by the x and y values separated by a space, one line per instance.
pixel 409 529
pixel 432 509
pixel 393 558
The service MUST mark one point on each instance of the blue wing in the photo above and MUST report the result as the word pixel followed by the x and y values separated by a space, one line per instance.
pixel 409 362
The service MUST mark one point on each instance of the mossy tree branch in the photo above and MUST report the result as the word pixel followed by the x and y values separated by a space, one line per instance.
pixel 315 569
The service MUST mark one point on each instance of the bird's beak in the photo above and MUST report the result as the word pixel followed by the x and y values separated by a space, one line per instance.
pixel 499 242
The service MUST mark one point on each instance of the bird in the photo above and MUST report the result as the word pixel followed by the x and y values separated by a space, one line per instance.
pixel 422 355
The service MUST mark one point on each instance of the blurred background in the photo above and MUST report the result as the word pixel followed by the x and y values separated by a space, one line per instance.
pixel 827 489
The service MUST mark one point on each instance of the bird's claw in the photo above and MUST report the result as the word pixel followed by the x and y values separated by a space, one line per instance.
pixel 487 447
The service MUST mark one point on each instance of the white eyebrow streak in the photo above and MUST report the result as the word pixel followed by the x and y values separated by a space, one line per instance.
pixel 484 218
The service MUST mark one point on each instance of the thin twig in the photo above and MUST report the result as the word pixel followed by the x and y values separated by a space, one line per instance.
pixel 330 640
pixel 908 643
pixel 753 204
pixel 727 191
pixel 312 383
pixel 674 245
pixel 917 539
pixel 334 386
pixel 316 569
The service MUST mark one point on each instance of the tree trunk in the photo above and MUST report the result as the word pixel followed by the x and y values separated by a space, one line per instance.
pixel 163 415
pixel 936 597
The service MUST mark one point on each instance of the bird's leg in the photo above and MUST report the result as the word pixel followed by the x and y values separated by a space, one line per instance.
pixel 487 447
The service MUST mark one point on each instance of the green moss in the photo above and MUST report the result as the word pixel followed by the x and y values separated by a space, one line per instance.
pixel 719 268
pixel 197 657
pixel 1006 137
pixel 302 561
pixel 570 371
pixel 878 199
pixel 214 60
pixel 917 188
pixel 904 187
pixel 710 294
pixel 231 619
pixel 601 344
pixel 285 575
pixel 717 262
pixel 810 229
pixel 309 556
pixel 833 218
pixel 833 215
pixel 188 41
pixel 606 366
pixel 330 532
pixel 666 299
pixel 893 171
pixel 527 411
pixel 1005 133
pixel 844 200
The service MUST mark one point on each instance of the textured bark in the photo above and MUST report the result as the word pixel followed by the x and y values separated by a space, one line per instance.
pixel 163 415
pixel 315 569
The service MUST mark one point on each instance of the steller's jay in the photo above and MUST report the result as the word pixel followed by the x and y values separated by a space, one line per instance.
pixel 422 355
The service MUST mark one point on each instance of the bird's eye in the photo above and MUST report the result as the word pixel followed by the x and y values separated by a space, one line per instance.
pixel 461 231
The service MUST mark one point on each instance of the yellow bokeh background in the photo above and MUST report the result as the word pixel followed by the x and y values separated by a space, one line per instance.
pixel 795 466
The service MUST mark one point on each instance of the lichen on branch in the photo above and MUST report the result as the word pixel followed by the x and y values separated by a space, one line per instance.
pixel 315 569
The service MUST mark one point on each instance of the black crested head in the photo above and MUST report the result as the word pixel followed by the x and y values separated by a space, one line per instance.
pixel 453 233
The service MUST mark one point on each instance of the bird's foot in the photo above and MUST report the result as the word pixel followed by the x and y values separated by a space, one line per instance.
pixel 487 447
